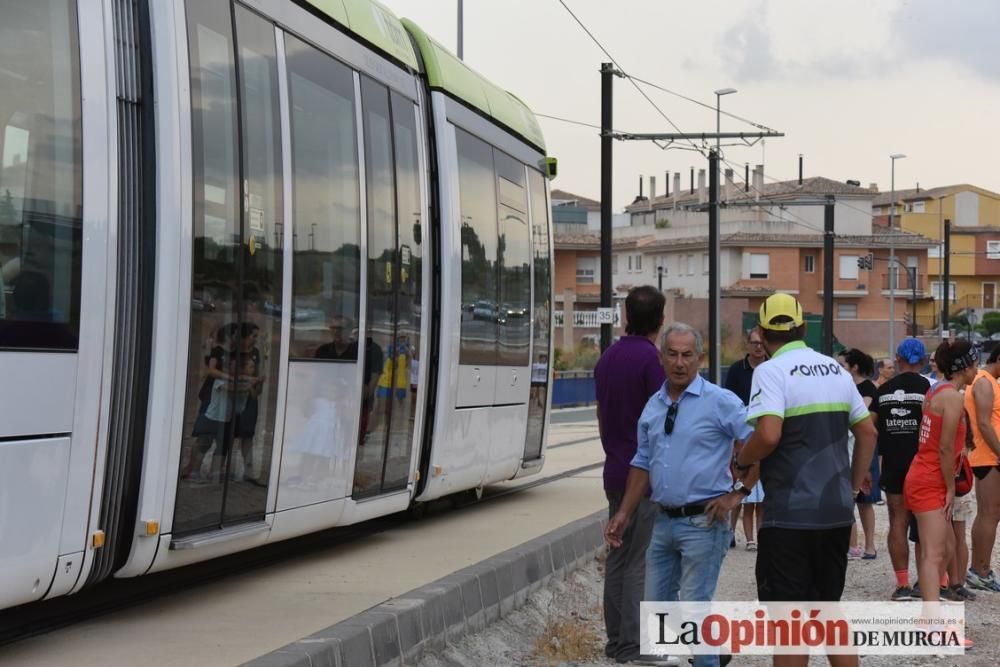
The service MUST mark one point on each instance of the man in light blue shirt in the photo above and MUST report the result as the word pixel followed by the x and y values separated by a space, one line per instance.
pixel 685 447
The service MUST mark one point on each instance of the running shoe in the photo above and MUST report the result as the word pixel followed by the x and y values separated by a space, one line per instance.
pixel 751 546
pixel 987 583
pixel 958 594
pixel 902 594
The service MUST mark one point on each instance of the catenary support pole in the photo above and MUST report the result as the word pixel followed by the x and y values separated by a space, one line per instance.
pixel 607 85
pixel 828 212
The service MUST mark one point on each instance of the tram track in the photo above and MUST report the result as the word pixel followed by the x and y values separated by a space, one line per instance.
pixel 38 618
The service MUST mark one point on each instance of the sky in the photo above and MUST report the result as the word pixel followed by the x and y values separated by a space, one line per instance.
pixel 848 83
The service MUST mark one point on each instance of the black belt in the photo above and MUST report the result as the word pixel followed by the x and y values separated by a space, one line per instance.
pixel 686 510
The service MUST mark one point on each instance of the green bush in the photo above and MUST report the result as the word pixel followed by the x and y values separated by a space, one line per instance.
pixel 586 358
pixel 991 322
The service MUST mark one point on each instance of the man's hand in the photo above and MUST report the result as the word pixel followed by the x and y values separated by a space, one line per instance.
pixel 719 508
pixel 866 485
pixel 615 529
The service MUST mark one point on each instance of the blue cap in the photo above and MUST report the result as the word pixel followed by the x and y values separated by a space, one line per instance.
pixel 911 350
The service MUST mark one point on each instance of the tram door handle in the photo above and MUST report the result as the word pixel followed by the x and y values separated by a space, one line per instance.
pixel 479 378
pixel 513 379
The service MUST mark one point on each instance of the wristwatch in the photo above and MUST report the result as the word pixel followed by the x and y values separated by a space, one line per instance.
pixel 742 488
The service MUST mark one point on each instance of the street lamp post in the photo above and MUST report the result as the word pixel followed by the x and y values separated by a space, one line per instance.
pixel 892 254
pixel 659 277
pixel 718 112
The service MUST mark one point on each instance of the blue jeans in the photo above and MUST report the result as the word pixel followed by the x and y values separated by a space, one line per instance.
pixel 683 562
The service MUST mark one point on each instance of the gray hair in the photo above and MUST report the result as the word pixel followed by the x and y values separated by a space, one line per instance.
pixel 681 328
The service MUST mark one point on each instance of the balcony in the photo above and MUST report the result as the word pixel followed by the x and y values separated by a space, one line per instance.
pixel 904 285
pixel 583 319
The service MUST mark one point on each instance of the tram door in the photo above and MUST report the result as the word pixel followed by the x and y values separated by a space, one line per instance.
pixel 541 314
pixel 233 358
pixel 392 329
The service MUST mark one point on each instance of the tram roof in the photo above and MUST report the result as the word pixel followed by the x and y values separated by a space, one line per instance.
pixel 377 25
pixel 446 72
pixel 373 23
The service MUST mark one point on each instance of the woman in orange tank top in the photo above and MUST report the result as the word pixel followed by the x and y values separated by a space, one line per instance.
pixel 929 489
pixel 982 403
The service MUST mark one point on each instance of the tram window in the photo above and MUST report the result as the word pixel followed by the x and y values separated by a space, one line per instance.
pixel 327 213
pixel 40 176
pixel 478 231
pixel 513 315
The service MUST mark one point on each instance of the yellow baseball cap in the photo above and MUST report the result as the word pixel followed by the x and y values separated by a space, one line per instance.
pixel 780 305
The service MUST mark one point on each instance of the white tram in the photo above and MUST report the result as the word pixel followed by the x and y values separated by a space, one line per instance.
pixel 268 267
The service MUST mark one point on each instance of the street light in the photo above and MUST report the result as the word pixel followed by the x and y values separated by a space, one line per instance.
pixel 893 271
pixel 718 112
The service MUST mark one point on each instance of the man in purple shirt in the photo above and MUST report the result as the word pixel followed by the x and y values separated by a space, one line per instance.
pixel 628 373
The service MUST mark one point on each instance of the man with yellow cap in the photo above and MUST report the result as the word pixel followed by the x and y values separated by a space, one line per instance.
pixel 803 404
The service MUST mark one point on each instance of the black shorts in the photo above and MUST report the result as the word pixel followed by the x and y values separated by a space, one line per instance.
pixel 894 473
pixel 982 471
pixel 795 564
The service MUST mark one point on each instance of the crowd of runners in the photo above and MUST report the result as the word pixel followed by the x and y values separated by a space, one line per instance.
pixel 804 443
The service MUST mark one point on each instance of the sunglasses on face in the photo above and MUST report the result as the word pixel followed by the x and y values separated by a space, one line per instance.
pixel 668 423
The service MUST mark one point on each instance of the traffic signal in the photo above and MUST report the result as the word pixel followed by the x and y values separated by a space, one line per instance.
pixel 866 262
pixel 862 263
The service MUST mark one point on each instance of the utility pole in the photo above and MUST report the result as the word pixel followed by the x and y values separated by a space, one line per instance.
pixel 892 256
pixel 461 36
pixel 607 87
pixel 828 218
pixel 946 285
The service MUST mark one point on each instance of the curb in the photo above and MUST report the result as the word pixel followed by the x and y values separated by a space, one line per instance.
pixel 400 630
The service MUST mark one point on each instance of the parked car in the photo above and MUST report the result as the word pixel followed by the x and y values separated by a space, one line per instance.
pixel 484 310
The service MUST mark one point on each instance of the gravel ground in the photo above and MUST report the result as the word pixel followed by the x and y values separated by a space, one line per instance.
pixel 530 636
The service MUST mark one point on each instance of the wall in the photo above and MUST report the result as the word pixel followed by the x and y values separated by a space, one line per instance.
pixel 565 273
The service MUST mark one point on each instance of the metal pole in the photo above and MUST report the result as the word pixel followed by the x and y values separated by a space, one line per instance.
pixel 892 262
pixel 946 285
pixel 607 81
pixel 828 237
pixel 461 39
pixel 659 278
pixel 913 302
pixel 714 329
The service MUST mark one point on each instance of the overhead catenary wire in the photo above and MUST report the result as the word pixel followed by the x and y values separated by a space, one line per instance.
pixel 570 121
pixel 623 73
pixel 711 107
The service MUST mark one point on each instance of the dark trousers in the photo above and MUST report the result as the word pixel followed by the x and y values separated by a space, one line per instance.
pixel 625 579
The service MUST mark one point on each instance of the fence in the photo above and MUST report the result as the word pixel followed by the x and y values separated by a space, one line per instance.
pixel 583 319
pixel 570 388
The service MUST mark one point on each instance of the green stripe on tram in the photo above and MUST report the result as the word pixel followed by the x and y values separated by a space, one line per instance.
pixel 446 72
pixel 372 22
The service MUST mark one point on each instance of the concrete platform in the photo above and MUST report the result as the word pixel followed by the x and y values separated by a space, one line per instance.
pixel 400 630
pixel 251 614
